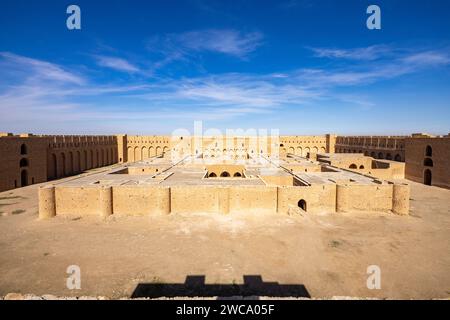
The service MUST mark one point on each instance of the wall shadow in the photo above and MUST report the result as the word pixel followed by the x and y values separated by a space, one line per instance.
pixel 194 286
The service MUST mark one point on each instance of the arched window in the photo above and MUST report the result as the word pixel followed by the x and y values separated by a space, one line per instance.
pixel 428 162
pixel 398 158
pixel 429 151
pixel 361 167
pixel 302 205
pixel 23 149
pixel 353 166
pixel 212 175
pixel 225 174
pixel 23 163
pixel 237 175
pixel 380 156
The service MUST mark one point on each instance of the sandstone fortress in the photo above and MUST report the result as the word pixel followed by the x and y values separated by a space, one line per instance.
pixel 144 175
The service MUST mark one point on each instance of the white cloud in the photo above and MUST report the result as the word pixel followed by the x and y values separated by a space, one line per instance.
pixel 41 70
pixel 115 63
pixel 226 41
pixel 366 53
pixel 188 46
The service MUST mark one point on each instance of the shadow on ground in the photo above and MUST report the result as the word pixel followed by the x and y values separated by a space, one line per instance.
pixel 194 286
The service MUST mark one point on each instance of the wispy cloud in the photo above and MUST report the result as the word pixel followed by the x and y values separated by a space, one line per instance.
pixel 40 70
pixel 226 41
pixel 371 69
pixel 188 46
pixel 365 53
pixel 116 63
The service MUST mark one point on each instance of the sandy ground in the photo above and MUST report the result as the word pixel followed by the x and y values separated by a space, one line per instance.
pixel 328 254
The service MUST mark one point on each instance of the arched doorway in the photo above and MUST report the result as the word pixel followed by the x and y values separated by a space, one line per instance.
pixel 225 174
pixel 302 205
pixel 429 151
pixel 353 166
pixel 52 172
pixel 427 177
pixel 237 175
pixel 212 175
pixel 24 178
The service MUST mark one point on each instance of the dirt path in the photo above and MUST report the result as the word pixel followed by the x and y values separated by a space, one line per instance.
pixel 328 254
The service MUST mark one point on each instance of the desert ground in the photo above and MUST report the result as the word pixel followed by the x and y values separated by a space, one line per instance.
pixel 328 253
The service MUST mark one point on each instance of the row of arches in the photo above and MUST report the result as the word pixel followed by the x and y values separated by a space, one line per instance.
pixel 142 153
pixel 428 162
pixel 73 162
pixel 303 151
pixel 225 174
pixel 354 166
pixel 376 155
pixel 387 156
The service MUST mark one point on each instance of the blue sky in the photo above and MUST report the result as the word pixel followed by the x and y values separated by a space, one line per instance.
pixel 150 67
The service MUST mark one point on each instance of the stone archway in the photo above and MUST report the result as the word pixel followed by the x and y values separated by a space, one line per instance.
pixel 302 205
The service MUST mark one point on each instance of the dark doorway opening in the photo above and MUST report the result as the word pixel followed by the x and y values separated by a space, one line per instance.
pixel 24 178
pixel 302 205
pixel 427 179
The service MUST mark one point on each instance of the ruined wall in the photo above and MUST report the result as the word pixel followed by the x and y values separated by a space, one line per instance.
pixel 141 200
pixel 318 198
pixel 353 197
pixel 28 159
pixel 252 199
pixel 78 200
pixel 149 200
pixel 428 160
pixel 23 161
pixel 208 199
